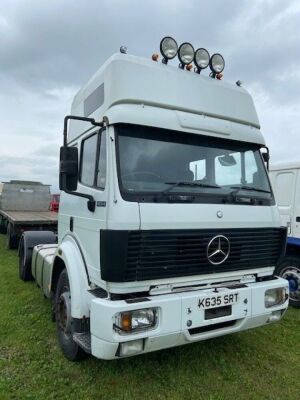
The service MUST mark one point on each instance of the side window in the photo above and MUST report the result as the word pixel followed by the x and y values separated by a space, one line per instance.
pixel 88 160
pixel 101 170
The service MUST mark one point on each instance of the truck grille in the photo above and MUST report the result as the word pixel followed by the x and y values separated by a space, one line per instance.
pixel 174 253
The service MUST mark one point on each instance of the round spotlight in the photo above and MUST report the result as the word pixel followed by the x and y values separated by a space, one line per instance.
pixel 201 59
pixel 216 64
pixel 168 48
pixel 186 54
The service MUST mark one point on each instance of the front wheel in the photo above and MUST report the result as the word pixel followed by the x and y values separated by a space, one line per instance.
pixel 63 318
pixel 289 269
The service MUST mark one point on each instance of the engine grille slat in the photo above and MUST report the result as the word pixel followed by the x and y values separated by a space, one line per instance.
pixel 173 253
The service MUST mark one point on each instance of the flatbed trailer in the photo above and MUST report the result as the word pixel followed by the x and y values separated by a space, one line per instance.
pixel 24 206
pixel 14 223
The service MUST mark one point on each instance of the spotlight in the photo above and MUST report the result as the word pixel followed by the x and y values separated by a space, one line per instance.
pixel 216 64
pixel 186 54
pixel 201 59
pixel 168 48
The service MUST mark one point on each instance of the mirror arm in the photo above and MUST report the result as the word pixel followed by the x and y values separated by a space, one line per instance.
pixel 91 201
pixel 74 117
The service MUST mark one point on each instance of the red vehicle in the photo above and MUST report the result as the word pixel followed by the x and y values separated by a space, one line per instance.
pixel 54 204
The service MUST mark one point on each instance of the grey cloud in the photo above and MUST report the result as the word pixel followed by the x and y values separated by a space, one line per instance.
pixel 49 49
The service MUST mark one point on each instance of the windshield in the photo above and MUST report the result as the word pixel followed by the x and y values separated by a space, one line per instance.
pixel 159 162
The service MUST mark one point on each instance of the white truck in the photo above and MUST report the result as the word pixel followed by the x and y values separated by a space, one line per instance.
pixel 285 179
pixel 168 232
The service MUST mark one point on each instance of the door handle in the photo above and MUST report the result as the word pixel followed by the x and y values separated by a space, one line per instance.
pixel 71 223
pixel 297 219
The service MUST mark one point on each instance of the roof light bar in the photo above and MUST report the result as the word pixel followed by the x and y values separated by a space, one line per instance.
pixel 186 54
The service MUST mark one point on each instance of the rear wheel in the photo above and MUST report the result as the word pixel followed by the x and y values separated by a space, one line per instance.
pixel 70 348
pixel 24 263
pixel 11 237
pixel 3 228
pixel 289 269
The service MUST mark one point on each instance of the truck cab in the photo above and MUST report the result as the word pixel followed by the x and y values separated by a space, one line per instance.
pixel 168 232
pixel 285 178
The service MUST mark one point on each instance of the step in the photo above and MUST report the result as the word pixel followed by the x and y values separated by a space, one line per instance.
pixel 83 340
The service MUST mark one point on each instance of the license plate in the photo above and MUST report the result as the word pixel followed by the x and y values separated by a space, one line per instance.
pixel 218 300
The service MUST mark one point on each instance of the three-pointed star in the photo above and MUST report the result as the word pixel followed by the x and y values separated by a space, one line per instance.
pixel 218 251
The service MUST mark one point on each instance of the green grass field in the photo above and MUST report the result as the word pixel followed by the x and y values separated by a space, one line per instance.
pixel 259 364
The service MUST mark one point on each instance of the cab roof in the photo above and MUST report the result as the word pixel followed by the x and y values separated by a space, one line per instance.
pixel 136 90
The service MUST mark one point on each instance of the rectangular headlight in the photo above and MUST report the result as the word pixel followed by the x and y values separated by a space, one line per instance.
pixel 136 320
pixel 275 297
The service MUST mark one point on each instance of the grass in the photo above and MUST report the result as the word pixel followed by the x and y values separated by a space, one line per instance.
pixel 260 364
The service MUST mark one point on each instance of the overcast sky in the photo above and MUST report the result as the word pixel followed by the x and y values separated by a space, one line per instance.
pixel 48 49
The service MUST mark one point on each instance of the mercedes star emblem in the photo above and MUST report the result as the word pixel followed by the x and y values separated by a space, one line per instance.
pixel 218 249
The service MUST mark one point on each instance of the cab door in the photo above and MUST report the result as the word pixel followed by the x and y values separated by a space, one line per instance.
pixel 92 181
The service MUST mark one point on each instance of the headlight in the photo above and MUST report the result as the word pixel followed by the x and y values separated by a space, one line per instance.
pixel 201 59
pixel 217 63
pixel 136 320
pixel 186 53
pixel 168 48
pixel 275 297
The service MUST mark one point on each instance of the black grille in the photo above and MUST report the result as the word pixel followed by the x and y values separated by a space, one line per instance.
pixel 174 253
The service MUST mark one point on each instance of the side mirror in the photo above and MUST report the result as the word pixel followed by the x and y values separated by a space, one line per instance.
pixel 266 157
pixel 68 168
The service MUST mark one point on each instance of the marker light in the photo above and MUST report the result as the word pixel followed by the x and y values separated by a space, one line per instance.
pixel 168 48
pixel 216 64
pixel 185 54
pixel 201 59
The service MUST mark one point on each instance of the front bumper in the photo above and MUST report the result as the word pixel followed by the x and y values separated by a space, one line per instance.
pixel 181 321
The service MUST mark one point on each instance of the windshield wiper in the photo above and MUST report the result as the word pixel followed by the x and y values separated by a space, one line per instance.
pixel 187 183
pixel 245 187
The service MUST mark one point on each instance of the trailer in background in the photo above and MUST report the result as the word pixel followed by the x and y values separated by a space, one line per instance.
pixel 285 179
pixel 24 206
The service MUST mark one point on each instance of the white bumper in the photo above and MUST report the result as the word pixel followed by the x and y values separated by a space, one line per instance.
pixel 180 320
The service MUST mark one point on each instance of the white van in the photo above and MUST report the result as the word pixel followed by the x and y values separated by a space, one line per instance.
pixel 285 179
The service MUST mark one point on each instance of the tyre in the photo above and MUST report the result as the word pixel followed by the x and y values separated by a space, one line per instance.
pixel 3 228
pixel 70 349
pixel 289 269
pixel 24 263
pixel 11 238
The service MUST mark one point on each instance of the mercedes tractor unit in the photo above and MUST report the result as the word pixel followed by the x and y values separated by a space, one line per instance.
pixel 168 232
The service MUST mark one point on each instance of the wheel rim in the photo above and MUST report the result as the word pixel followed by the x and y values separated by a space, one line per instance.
pixel 64 314
pixel 292 275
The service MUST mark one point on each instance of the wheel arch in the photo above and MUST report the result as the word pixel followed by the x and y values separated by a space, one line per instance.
pixel 70 257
